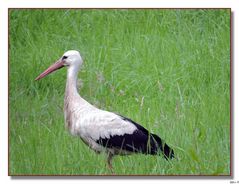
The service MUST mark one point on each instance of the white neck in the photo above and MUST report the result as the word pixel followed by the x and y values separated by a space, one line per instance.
pixel 71 83
pixel 73 100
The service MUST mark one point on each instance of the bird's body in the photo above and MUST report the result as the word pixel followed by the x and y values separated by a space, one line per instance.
pixel 101 130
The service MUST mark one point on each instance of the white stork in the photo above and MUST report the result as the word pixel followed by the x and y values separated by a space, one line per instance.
pixel 101 130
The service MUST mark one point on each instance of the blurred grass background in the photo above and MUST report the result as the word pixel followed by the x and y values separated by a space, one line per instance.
pixel 167 69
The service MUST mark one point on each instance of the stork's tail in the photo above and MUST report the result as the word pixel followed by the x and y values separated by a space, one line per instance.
pixel 157 145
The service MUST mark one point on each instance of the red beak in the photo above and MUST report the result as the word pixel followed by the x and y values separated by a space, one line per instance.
pixel 57 65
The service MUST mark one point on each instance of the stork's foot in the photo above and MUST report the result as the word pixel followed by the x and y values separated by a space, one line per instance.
pixel 109 162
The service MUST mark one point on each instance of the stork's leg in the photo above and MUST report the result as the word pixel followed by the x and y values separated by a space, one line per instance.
pixel 109 162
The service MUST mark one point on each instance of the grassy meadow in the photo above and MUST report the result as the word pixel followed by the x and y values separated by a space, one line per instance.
pixel 168 70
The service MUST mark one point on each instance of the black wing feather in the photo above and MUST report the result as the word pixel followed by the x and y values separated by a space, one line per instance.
pixel 140 141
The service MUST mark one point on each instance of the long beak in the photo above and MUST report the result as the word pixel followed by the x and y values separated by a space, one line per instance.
pixel 57 65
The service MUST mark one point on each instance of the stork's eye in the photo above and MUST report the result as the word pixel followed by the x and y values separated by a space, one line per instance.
pixel 64 57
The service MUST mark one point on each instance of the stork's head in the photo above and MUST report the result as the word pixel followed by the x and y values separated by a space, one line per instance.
pixel 70 59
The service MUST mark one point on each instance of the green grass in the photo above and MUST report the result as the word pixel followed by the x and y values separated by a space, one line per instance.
pixel 169 70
